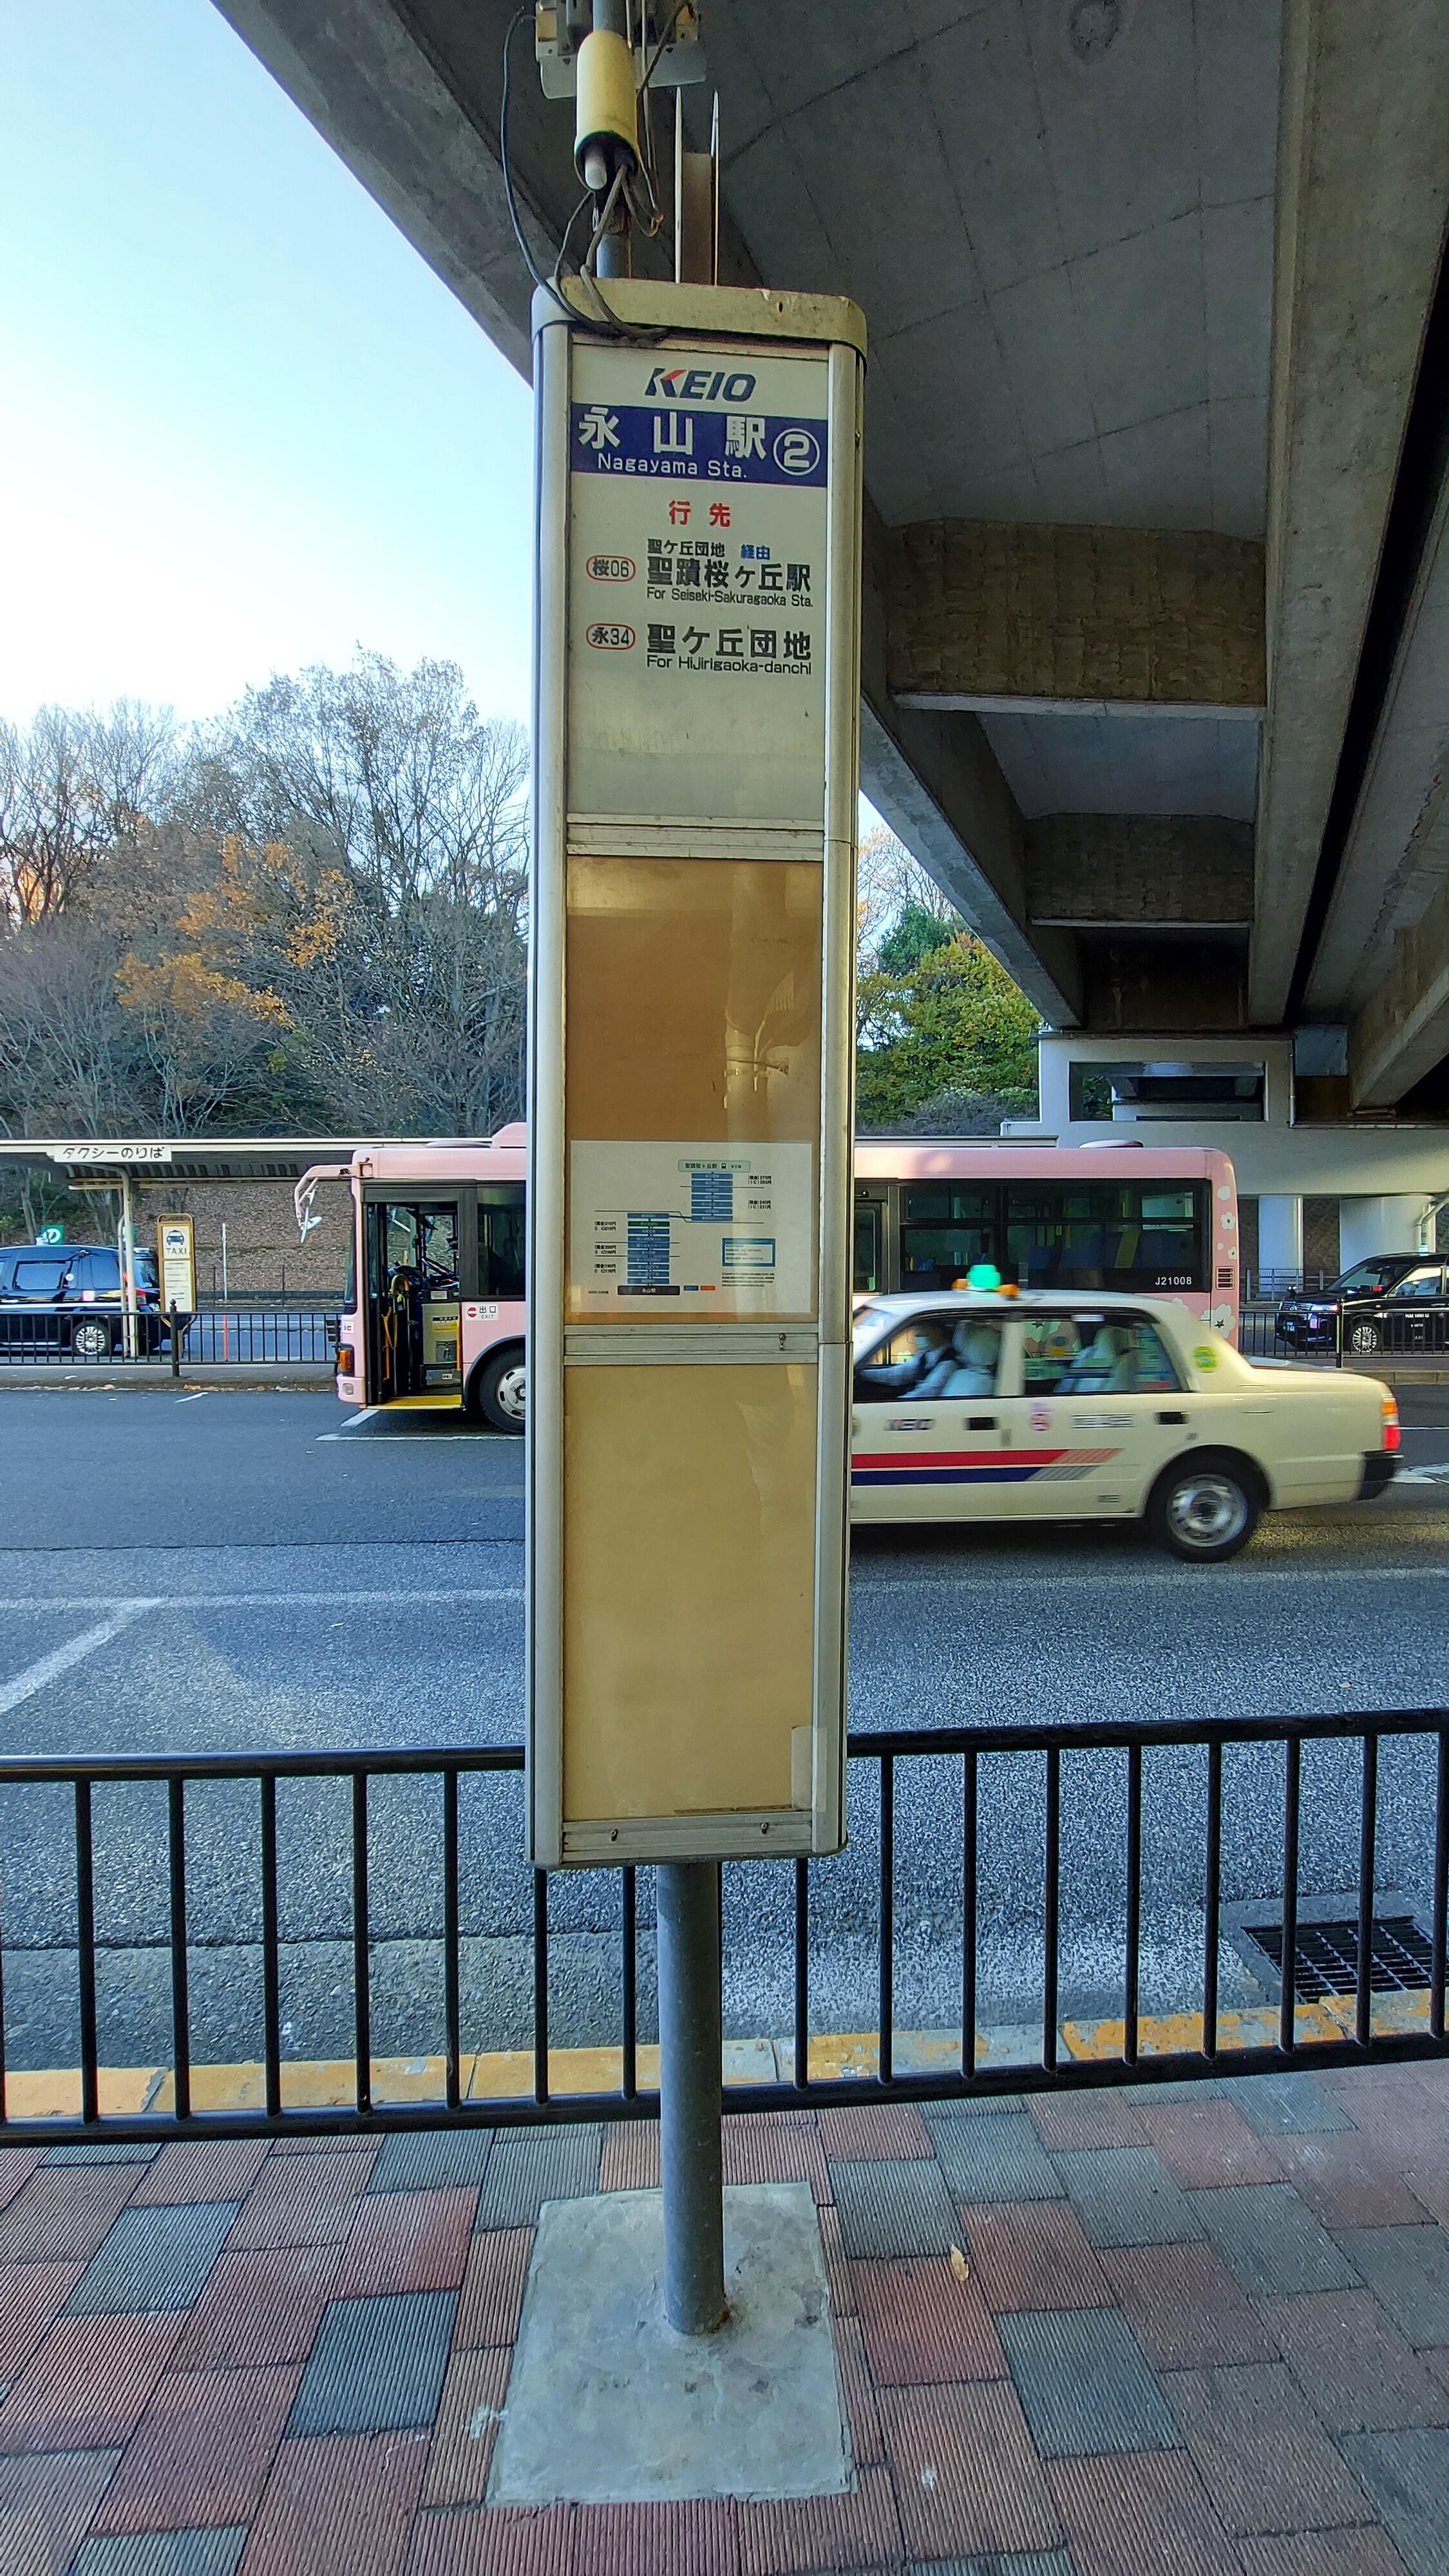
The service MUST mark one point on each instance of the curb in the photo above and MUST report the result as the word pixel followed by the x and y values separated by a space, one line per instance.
pixel 506 2075
pixel 264 1378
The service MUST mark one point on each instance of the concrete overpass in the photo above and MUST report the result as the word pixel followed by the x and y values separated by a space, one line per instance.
pixel 1157 605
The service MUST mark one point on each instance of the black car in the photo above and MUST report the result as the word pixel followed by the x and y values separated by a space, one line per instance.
pixel 67 1297
pixel 1396 1302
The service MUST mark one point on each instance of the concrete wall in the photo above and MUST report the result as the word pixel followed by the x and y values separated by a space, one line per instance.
pixel 1327 1159
pixel 262 1250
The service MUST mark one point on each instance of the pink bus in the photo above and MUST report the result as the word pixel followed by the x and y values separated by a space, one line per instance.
pixel 435 1315
pixel 435 1310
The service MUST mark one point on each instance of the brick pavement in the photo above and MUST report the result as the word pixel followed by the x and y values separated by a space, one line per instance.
pixel 1197 2330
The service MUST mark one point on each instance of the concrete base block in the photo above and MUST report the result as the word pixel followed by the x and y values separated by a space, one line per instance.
pixel 607 2405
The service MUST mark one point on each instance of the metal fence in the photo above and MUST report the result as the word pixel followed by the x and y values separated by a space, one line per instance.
pixel 1200 2038
pixel 1258 1334
pixel 237 1335
pixel 1272 1284
pixel 1388 1333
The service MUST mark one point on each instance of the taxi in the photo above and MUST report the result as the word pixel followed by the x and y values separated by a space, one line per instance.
pixel 997 1407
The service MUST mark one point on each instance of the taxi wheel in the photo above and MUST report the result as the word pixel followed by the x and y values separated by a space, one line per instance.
pixel 1365 1338
pixel 91 1341
pixel 497 1390
pixel 1205 1509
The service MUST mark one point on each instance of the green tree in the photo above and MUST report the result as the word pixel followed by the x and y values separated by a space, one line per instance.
pixel 918 934
pixel 943 1036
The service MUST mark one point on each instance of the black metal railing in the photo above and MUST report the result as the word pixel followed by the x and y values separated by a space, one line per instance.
pixel 218 1336
pixel 1357 1340
pixel 956 1859
pixel 1258 1333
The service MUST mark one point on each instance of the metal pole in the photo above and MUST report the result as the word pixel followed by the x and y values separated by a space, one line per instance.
pixel 611 17
pixel 128 1269
pixel 687 1898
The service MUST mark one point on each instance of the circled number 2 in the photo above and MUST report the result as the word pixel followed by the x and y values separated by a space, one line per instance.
pixel 612 567
pixel 611 639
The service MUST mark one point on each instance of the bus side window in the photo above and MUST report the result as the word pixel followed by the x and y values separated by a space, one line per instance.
pixel 500 1240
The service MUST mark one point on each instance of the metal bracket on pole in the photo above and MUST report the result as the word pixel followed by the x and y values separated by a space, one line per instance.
pixel 696 203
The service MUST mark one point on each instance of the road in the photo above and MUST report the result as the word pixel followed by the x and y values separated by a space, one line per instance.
pixel 248 1569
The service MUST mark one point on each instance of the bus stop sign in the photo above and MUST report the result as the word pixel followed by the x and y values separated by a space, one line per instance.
pixel 691 1057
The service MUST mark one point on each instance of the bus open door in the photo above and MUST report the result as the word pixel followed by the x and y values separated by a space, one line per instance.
pixel 419 1253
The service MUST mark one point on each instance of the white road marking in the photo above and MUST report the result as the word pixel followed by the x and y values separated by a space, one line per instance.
pixel 134 1603
pixel 355 1424
pixel 1435 1474
pixel 38 1676
pixel 393 1438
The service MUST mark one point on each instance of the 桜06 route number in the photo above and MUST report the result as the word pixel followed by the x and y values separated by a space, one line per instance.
pixel 612 568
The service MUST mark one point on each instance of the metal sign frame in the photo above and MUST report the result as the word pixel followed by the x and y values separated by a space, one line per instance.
pixel 732 323
pixel 177 1270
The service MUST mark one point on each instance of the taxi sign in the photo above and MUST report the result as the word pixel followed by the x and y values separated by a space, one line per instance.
pixel 176 1261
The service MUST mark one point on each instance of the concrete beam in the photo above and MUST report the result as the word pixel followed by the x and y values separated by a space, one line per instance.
pixel 1397 852
pixel 1189 983
pixel 1138 871
pixel 984 613
pixel 1363 188
pixel 1402 1031
pixel 417 121
pixel 393 111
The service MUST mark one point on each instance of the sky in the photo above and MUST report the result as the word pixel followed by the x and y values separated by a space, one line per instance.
pixel 245 427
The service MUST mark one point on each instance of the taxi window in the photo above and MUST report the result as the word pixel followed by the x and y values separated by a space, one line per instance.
pixel 1089 1354
pixel 1426 1279
pixel 933 1358
pixel 893 1368
pixel 39 1278
pixel 1368 1279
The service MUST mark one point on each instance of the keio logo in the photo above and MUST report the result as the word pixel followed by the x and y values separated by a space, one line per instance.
pixel 696 384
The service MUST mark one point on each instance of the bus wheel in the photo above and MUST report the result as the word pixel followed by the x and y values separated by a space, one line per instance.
pixel 496 1390
pixel 1205 1508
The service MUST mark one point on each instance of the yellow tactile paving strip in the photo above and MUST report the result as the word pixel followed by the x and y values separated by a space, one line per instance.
pixel 507 2074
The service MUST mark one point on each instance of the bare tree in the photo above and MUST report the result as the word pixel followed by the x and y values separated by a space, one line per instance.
pixel 396 770
pixel 73 785
pixel 315 907
pixel 67 1051
pixel 889 882
pixel 415 1013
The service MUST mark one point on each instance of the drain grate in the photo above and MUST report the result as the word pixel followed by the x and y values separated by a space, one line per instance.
pixel 1325 1956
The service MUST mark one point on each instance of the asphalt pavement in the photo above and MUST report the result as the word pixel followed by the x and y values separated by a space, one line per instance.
pixel 244 1569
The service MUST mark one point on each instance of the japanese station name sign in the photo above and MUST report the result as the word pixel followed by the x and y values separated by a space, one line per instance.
pixel 697 690
pixel 697 546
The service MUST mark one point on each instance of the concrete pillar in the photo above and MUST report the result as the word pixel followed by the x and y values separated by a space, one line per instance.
pixel 1054 1081
pixel 1369 1226
pixel 1280 1238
